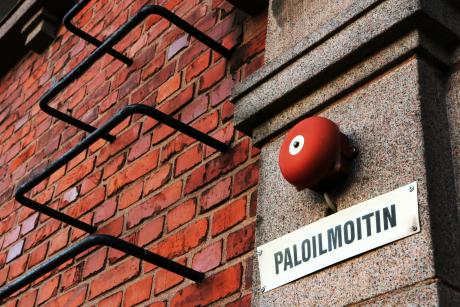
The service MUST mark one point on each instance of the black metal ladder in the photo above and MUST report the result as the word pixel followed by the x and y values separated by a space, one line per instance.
pixel 106 47
pixel 103 132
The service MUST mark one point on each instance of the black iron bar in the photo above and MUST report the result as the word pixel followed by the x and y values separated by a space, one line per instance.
pixel 87 37
pixel 121 115
pixel 114 38
pixel 98 240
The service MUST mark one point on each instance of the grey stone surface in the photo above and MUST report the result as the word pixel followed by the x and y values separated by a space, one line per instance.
pixel 427 293
pixel 346 82
pixel 326 60
pixel 302 47
pixel 448 296
pixel 453 113
pixel 385 72
pixel 287 23
pixel 391 137
pixel 421 294
pixel 440 173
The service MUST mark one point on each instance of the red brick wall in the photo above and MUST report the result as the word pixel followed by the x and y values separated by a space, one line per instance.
pixel 154 187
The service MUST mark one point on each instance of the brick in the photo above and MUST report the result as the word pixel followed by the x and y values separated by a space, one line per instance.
pixel 195 109
pixel 181 214
pixel 71 277
pixel 245 301
pixel 28 299
pixel 113 277
pixel 247 51
pixel 122 141
pixel 165 280
pixel 221 92
pixel 198 66
pixel 11 303
pixel 213 288
pixel 38 255
pixel 7 223
pixel 188 159
pixel 183 240
pixel 77 160
pixel 245 179
pixel 113 166
pixel 69 197
pixel 78 233
pixel 212 75
pixel 116 255
pixel 90 182
pixel 59 241
pixel 113 300
pixel 139 148
pixel 15 251
pixel 248 273
pixel 218 166
pixel 73 298
pixel 225 135
pixel 138 292
pixel 105 211
pixel 162 132
pixel 113 228
pixel 47 290
pixel 152 84
pixel 22 157
pixel 44 196
pixel 158 202
pixel 157 179
pixel 150 231
pixel 129 85
pixel 175 103
pixel 177 46
pixel 153 66
pixel 11 236
pixel 169 87
pixel 42 233
pixel 131 195
pixel 8 208
pixel 209 258
pixel 255 64
pixel 95 262
pixel 75 175
pixel 108 102
pixel 240 241
pixel 216 194
pixel 85 204
pixel 228 216
pixel 132 172
pixel 175 146
pixel 4 275
pixel 191 53
pixel 17 267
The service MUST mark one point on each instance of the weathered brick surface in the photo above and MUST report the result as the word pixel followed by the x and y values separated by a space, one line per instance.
pixel 154 187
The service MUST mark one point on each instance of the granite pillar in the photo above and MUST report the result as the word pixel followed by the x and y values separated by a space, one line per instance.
pixel 387 72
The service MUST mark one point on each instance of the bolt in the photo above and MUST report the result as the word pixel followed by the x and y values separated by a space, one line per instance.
pixel 414 228
pixel 411 188
pixel 262 289
pixel 259 253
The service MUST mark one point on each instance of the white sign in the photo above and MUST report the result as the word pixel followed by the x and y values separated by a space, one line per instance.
pixel 340 236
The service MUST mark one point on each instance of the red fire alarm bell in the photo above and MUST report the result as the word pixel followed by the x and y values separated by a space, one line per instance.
pixel 315 154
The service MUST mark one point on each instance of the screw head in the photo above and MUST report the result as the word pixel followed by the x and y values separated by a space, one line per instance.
pixel 262 289
pixel 414 228
pixel 259 253
pixel 411 188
